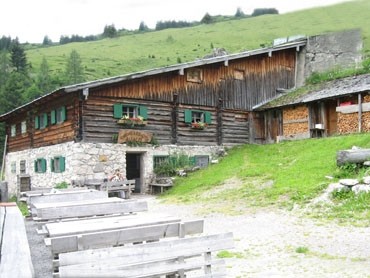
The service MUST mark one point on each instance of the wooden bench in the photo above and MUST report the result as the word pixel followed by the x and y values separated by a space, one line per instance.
pixel 87 208
pixel 185 256
pixel 14 248
pixel 124 188
pixel 162 186
pixel 64 196
pixel 124 233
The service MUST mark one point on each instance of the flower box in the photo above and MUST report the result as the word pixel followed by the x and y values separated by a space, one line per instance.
pixel 198 126
pixel 132 122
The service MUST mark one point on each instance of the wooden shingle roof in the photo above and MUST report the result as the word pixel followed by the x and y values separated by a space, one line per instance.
pixel 331 89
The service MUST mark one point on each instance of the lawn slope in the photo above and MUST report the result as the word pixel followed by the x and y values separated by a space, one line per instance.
pixel 137 52
pixel 283 175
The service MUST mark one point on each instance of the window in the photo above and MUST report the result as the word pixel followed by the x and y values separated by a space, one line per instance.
pixel 22 167
pixel 13 167
pixel 196 116
pixel 40 165
pixel 159 160
pixel 23 127
pixel 58 115
pixel 13 130
pixel 58 164
pixel 194 75
pixel 239 74
pixel 130 110
pixel 41 121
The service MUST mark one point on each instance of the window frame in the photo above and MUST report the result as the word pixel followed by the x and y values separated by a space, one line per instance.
pixel 118 110
pixel 194 75
pixel 22 166
pixel 58 164
pixel 40 165
pixel 23 127
pixel 13 130
pixel 191 117
pixel 58 115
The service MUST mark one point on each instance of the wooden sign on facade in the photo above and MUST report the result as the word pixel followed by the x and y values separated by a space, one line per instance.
pixel 132 135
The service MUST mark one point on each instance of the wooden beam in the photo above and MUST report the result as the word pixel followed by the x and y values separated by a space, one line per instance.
pixel 359 112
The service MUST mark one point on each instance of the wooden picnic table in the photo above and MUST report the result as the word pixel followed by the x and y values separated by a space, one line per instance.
pixel 85 208
pixel 109 223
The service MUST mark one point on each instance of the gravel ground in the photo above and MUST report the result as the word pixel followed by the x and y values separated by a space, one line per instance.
pixel 266 243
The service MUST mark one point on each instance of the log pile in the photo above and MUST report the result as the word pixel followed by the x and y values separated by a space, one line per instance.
pixel 295 120
pixel 366 122
pixel 347 123
pixel 295 128
pixel 296 113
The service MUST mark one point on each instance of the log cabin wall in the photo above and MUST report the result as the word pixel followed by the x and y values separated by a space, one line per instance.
pixel 21 140
pixel 52 134
pixel 99 125
pixel 227 90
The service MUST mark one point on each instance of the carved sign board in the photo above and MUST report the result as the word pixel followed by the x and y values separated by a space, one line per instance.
pixel 131 135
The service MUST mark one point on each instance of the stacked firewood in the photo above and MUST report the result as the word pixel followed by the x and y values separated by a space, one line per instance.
pixel 295 120
pixel 347 123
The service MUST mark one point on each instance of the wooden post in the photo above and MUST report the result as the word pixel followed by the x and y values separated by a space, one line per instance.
pixel 219 122
pixel 175 112
pixel 359 113
pixel 4 155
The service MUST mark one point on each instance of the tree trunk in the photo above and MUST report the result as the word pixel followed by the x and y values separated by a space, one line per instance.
pixel 353 156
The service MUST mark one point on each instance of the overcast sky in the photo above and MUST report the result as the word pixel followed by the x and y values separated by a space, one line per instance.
pixel 31 20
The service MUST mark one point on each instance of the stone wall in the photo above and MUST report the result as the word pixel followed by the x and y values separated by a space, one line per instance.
pixel 91 161
pixel 333 50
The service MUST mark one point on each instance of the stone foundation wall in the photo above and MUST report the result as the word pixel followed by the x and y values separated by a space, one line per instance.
pixel 90 161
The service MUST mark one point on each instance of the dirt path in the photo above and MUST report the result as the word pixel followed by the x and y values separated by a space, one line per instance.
pixel 281 244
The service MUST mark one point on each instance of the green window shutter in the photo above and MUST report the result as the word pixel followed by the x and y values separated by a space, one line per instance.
pixel 35 165
pixel 62 164
pixel 143 112
pixel 53 117
pixel 52 165
pixel 64 113
pixel 192 160
pixel 207 117
pixel 188 117
pixel 117 111
pixel 37 122
pixel 43 165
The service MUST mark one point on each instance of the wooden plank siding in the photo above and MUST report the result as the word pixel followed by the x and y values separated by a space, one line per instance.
pixel 51 134
pixel 228 91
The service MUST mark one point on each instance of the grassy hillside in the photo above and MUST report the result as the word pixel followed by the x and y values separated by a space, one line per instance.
pixel 284 175
pixel 136 52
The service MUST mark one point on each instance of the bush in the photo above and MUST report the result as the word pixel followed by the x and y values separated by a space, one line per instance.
pixel 61 185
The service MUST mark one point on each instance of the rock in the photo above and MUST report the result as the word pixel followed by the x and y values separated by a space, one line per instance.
pixel 361 188
pixel 214 161
pixel 366 180
pixel 349 182
pixel 367 163
pixel 336 187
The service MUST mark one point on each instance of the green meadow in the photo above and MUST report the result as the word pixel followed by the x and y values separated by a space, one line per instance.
pixel 142 51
